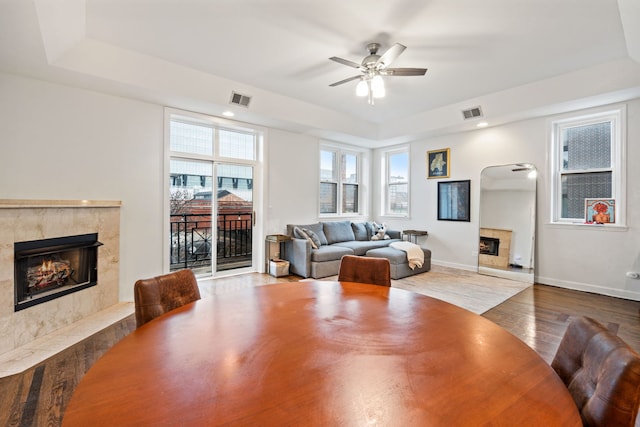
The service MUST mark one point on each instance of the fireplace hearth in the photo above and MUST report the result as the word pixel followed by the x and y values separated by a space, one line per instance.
pixel 50 268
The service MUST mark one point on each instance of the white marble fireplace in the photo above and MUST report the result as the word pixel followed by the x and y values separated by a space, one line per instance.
pixel 25 220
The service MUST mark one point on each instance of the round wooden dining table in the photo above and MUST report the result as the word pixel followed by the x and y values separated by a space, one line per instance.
pixel 320 353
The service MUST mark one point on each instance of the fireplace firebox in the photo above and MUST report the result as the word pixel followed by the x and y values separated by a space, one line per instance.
pixel 50 268
pixel 489 245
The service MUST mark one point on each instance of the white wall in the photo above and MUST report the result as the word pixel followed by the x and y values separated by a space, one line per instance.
pixel 593 259
pixel 64 143
pixel 292 169
pixel 293 180
pixel 60 142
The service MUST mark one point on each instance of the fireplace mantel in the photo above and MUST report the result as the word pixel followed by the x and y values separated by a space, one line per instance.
pixel 26 203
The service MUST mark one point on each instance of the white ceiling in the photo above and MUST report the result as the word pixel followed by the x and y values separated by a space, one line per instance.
pixel 515 58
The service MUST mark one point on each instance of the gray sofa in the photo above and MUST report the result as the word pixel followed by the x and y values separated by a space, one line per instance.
pixel 339 238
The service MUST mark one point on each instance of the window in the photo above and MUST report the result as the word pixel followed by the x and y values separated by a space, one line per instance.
pixel 339 181
pixel 587 163
pixel 396 184
pixel 349 178
pixel 237 145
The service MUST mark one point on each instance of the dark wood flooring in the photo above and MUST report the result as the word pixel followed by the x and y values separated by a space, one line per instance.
pixel 538 315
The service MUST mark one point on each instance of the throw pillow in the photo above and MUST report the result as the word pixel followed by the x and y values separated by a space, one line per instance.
pixel 315 240
pixel 298 233
pixel 360 231
pixel 304 233
pixel 316 228
pixel 370 229
pixel 338 231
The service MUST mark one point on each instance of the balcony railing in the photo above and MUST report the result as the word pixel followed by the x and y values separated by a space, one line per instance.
pixel 192 241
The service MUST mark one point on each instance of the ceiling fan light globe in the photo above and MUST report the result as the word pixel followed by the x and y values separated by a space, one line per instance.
pixel 362 89
pixel 377 87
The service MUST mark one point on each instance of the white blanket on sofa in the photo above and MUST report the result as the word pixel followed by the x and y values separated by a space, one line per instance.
pixel 415 255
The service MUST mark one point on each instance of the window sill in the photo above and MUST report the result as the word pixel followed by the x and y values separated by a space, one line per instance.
pixel 343 216
pixel 582 225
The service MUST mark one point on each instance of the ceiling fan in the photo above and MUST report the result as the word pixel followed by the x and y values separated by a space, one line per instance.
pixel 521 167
pixel 373 68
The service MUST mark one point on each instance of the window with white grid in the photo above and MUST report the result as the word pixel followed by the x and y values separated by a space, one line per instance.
pixel 339 181
pixel 587 163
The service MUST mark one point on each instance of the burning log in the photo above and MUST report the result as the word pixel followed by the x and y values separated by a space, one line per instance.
pixel 48 274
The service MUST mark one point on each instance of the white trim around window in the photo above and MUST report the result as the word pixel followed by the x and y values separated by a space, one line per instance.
pixel 341 177
pixel 564 170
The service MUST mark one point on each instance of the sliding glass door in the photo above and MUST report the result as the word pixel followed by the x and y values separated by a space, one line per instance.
pixel 235 216
pixel 211 197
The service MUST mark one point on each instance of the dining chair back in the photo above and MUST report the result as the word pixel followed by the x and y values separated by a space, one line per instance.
pixel 601 372
pixel 161 294
pixel 364 269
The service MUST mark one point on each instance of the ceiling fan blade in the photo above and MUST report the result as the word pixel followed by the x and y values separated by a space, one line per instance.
pixel 346 62
pixel 345 80
pixel 390 55
pixel 404 71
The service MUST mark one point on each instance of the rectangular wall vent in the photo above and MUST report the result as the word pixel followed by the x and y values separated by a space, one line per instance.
pixel 472 113
pixel 241 100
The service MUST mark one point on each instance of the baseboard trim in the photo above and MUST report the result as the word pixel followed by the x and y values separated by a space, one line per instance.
pixel 586 287
pixel 567 284
pixel 455 265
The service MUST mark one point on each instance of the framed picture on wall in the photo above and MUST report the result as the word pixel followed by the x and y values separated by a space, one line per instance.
pixel 438 163
pixel 600 211
pixel 453 200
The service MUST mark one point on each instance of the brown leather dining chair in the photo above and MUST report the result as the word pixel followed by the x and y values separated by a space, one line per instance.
pixel 362 269
pixel 161 294
pixel 601 372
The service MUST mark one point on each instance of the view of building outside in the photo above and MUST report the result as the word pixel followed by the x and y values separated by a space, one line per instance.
pixel 339 170
pixel 328 183
pixel 398 183
pixel 349 183
pixel 586 156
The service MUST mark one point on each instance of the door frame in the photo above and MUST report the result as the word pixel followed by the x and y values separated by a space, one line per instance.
pixel 258 185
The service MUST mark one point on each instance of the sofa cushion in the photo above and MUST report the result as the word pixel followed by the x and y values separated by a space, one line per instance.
pixel 339 231
pixel 361 248
pixel 316 228
pixel 395 256
pixel 329 253
pixel 398 261
pixel 360 231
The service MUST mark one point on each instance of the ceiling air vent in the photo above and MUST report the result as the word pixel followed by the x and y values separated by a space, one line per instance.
pixel 472 113
pixel 241 100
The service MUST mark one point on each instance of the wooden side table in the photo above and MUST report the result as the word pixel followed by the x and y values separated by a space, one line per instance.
pixel 414 234
pixel 274 238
